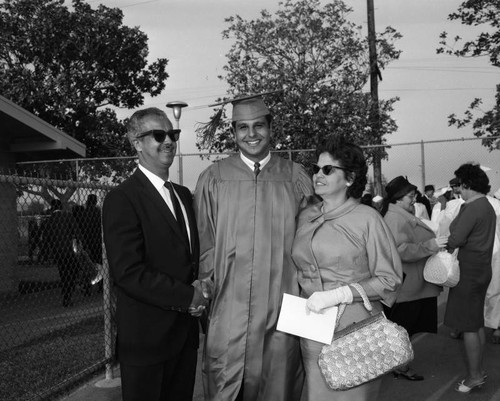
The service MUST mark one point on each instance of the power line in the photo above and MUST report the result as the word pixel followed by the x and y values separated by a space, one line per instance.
pixel 123 6
pixel 139 3
pixel 450 69
pixel 434 89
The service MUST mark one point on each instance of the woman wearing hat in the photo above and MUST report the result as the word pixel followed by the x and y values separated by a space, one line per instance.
pixel 416 305
pixel 338 242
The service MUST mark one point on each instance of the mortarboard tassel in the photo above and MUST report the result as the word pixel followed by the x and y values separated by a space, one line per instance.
pixel 206 131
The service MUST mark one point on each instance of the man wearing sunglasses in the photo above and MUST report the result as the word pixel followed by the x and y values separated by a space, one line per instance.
pixel 153 253
pixel 246 206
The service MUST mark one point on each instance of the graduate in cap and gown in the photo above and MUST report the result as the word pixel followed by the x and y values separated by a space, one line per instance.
pixel 246 207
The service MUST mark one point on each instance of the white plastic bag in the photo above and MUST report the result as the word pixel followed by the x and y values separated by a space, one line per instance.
pixel 442 268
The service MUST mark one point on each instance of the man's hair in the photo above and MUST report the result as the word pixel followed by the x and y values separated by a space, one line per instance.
pixel 134 124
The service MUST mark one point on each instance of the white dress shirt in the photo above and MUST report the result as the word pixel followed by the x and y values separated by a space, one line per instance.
pixel 159 184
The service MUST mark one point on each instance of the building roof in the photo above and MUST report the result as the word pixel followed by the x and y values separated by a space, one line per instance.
pixel 30 138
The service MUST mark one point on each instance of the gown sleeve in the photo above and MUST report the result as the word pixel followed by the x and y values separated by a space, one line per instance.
pixel 205 207
pixel 303 186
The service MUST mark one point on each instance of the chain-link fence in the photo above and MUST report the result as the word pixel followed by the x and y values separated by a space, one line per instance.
pixel 55 298
pixel 423 162
pixel 434 162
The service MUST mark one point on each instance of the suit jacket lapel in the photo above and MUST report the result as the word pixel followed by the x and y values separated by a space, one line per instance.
pixel 165 211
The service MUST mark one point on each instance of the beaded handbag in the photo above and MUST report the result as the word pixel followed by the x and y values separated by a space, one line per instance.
pixel 365 350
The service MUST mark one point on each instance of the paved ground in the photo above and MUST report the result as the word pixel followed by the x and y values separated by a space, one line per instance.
pixel 438 357
pixel 32 315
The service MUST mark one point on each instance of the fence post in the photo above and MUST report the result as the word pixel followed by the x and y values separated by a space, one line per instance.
pixel 108 381
pixel 422 161
pixel 77 174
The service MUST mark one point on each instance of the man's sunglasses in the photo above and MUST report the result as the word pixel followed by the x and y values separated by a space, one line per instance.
pixel 159 135
pixel 327 170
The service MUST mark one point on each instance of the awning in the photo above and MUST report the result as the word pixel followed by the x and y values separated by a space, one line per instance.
pixel 30 138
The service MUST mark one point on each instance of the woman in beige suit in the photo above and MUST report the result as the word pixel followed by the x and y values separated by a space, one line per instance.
pixel 340 241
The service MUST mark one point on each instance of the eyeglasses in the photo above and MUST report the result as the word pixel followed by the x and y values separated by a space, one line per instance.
pixel 327 170
pixel 159 135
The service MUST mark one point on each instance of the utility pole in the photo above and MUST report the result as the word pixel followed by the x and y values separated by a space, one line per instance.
pixel 374 111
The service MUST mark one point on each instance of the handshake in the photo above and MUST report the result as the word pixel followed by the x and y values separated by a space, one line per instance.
pixel 203 293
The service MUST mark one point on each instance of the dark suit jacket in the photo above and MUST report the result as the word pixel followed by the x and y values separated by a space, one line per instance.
pixel 59 231
pixel 152 268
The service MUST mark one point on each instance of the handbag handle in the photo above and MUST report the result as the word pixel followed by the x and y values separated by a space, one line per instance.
pixel 366 302
pixel 362 292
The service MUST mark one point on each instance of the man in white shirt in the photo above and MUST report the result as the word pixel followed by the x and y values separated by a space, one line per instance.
pixel 153 253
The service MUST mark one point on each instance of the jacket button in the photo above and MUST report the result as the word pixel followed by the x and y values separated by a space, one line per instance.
pixel 313 268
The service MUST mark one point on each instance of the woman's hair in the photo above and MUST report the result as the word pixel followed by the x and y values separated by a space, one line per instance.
pixel 351 158
pixel 471 176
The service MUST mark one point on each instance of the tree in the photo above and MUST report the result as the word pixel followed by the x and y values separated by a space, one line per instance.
pixel 69 67
pixel 486 14
pixel 318 60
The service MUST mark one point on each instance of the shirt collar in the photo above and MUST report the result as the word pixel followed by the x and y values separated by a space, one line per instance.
pixel 155 180
pixel 251 163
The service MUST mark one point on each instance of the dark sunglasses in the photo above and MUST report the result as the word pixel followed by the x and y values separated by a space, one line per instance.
pixel 327 170
pixel 159 135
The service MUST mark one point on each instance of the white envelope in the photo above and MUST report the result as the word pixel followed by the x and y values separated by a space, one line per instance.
pixel 294 319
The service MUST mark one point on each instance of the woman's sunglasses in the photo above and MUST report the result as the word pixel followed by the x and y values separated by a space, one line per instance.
pixel 159 135
pixel 327 170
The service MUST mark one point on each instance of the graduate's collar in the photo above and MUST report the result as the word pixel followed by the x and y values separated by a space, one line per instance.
pixel 251 163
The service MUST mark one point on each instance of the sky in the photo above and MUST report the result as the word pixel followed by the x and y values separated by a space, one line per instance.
pixel 430 86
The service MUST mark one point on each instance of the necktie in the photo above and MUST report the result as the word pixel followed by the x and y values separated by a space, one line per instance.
pixel 178 211
pixel 256 168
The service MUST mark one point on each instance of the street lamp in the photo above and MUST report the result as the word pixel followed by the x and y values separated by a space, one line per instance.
pixel 177 107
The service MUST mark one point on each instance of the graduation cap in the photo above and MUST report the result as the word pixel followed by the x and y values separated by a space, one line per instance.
pixel 245 107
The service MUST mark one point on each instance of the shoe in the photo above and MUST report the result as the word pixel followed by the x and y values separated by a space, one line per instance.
pixel 462 388
pixel 408 375
pixel 456 334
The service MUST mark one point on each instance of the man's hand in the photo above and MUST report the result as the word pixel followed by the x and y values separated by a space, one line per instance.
pixel 207 287
pixel 199 301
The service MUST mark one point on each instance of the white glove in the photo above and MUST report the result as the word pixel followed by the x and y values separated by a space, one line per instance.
pixel 324 299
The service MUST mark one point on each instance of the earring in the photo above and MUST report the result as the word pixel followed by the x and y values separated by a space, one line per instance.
pixel 348 184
